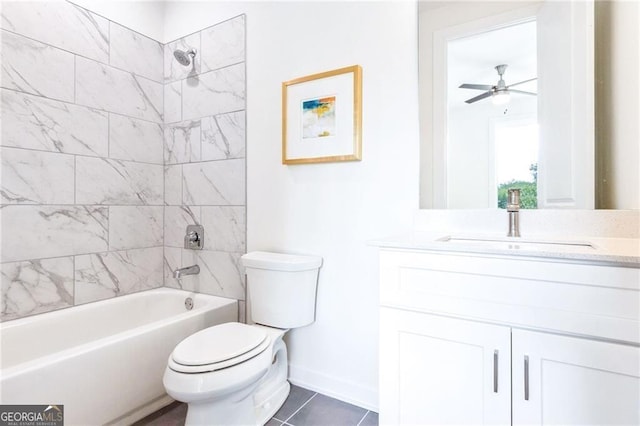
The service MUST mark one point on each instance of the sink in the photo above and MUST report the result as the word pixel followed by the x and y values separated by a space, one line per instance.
pixel 516 243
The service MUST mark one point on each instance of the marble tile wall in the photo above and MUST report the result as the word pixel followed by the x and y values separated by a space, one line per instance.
pixel 109 148
pixel 204 153
pixel 82 150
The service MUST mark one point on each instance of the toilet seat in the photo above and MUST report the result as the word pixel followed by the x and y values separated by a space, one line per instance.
pixel 218 347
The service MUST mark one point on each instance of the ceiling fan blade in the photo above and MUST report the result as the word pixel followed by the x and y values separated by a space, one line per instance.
pixel 522 92
pixel 522 82
pixel 479 97
pixel 476 86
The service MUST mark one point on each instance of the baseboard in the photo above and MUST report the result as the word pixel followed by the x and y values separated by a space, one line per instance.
pixel 142 412
pixel 362 396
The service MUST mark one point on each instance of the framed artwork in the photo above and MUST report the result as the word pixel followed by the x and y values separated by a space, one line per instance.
pixel 322 117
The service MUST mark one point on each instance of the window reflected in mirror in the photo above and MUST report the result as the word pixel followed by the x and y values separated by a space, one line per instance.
pixel 516 161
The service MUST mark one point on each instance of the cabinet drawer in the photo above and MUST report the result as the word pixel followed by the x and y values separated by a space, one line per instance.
pixel 592 300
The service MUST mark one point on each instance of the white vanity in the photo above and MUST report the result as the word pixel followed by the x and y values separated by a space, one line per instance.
pixel 479 329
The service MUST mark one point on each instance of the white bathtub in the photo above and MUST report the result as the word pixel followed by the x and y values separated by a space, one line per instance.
pixel 103 361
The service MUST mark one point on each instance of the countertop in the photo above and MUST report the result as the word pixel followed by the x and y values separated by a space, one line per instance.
pixel 610 251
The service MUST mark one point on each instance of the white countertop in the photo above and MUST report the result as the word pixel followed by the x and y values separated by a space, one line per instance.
pixel 611 251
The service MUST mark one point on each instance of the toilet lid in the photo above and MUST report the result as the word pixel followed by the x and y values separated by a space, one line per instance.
pixel 218 343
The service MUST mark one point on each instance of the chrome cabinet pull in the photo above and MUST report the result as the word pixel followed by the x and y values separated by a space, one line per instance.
pixel 495 371
pixel 526 378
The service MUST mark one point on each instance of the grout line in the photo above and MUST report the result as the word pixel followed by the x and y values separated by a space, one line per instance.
pixel 363 417
pixel 205 28
pixel 201 138
pixel 109 42
pixel 75 180
pixel 202 161
pixel 100 157
pixel 108 135
pixel 196 118
pixel 81 105
pixel 73 262
pixel 87 254
pixel 164 176
pixel 61 205
pixel 200 61
pixel 182 99
pixel 128 161
pixel 110 20
pixel 182 202
pixel 300 408
pixel 75 79
pixel 98 109
pixel 81 55
pixel 109 228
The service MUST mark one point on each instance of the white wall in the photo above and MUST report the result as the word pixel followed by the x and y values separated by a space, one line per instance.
pixel 328 209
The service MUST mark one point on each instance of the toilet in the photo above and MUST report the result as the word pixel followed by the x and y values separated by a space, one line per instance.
pixel 236 374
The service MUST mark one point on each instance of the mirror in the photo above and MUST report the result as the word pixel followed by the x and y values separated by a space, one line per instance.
pixel 467 147
pixel 500 98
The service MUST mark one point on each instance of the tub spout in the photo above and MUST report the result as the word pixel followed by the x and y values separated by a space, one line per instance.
pixel 189 270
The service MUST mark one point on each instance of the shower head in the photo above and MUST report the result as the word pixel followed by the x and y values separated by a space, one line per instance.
pixel 183 57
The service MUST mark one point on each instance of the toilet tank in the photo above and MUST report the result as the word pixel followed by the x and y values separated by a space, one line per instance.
pixel 281 288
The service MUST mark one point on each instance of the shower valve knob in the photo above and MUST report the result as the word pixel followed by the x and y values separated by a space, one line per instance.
pixel 194 237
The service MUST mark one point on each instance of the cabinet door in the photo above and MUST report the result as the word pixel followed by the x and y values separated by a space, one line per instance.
pixel 573 381
pixel 438 370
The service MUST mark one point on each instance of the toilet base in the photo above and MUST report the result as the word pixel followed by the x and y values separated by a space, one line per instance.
pixel 266 409
pixel 251 402
pixel 239 413
pixel 274 387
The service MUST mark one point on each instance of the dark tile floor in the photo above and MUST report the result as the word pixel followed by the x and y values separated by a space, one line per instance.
pixel 302 408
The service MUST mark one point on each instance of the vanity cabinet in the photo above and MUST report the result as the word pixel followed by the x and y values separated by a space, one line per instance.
pixel 472 339
pixel 437 370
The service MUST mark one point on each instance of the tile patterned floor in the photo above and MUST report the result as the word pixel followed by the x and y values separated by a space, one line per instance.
pixel 302 408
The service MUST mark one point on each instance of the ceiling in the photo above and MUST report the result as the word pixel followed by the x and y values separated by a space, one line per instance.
pixel 473 59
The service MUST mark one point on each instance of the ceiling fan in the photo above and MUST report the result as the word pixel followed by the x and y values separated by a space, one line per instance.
pixel 500 92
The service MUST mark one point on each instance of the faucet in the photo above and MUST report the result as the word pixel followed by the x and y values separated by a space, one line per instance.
pixel 189 270
pixel 513 207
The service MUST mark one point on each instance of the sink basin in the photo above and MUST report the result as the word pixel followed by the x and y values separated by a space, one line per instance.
pixel 514 243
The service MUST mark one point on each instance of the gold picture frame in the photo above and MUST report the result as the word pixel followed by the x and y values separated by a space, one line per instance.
pixel 322 117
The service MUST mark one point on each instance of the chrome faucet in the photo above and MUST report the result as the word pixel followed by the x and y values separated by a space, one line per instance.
pixel 513 207
pixel 189 270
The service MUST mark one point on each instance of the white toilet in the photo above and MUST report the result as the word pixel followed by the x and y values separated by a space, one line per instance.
pixel 236 374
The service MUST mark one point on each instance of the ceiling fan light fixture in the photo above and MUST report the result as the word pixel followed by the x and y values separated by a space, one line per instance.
pixel 501 98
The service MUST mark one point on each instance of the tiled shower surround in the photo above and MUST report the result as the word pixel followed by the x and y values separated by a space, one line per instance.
pixel 110 148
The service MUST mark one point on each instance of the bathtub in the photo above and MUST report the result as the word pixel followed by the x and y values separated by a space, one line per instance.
pixel 103 361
